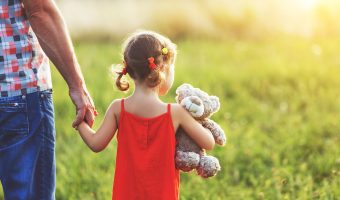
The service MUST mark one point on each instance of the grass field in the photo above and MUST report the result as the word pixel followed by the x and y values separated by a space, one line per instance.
pixel 280 105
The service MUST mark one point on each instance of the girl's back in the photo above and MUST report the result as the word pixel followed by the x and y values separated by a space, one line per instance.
pixel 145 166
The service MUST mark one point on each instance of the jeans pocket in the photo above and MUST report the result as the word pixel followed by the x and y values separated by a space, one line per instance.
pixel 14 125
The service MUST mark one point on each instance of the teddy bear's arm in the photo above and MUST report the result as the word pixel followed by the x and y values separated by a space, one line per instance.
pixel 216 131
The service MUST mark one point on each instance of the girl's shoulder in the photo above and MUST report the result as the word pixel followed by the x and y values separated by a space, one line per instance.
pixel 177 111
pixel 115 107
pixel 175 107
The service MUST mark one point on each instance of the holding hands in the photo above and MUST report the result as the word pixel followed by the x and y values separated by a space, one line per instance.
pixel 85 109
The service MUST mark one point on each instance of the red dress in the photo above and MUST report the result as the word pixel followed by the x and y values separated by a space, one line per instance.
pixel 145 164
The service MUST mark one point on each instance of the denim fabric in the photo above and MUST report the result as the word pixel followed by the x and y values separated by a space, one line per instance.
pixel 27 143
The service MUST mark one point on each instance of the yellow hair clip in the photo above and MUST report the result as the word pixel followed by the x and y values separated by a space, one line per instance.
pixel 165 51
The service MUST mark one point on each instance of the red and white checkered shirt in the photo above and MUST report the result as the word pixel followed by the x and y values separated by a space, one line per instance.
pixel 24 68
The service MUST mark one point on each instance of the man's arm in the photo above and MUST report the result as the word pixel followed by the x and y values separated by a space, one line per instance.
pixel 51 31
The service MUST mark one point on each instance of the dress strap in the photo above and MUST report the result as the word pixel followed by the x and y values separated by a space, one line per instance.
pixel 169 108
pixel 122 108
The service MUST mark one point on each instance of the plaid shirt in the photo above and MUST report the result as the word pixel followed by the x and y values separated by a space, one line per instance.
pixel 24 68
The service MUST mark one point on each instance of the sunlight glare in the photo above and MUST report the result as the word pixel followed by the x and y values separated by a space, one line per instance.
pixel 308 4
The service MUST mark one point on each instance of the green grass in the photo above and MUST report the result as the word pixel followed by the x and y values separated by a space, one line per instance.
pixel 280 105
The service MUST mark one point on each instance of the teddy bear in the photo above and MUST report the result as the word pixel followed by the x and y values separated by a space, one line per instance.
pixel 189 155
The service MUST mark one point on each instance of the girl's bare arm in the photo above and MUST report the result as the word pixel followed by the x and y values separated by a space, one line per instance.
pixel 98 140
pixel 195 130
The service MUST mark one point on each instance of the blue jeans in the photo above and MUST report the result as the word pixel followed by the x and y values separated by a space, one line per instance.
pixel 27 143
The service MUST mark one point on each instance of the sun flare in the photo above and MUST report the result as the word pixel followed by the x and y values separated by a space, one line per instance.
pixel 308 4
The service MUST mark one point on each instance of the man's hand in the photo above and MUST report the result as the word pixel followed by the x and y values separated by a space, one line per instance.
pixel 85 108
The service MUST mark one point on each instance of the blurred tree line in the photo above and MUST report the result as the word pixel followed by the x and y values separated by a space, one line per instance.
pixel 110 19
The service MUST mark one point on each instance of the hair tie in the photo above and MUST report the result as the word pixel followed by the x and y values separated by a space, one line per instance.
pixel 165 51
pixel 152 64
pixel 124 71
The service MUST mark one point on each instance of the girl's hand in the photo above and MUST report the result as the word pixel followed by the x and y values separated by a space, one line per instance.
pixel 97 141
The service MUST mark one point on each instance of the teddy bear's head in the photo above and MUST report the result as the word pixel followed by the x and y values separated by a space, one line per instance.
pixel 199 103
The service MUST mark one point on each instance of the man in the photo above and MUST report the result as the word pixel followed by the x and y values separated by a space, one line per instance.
pixel 31 31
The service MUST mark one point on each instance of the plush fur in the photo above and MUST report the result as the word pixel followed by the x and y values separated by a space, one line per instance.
pixel 189 155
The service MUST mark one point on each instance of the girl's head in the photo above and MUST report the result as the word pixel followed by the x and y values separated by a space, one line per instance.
pixel 149 59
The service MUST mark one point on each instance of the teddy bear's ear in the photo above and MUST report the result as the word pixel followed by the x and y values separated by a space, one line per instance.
pixel 182 87
pixel 215 103
pixel 183 91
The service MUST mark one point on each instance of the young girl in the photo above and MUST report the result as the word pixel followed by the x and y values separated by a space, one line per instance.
pixel 145 164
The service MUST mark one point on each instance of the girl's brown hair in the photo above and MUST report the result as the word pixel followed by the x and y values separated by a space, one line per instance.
pixel 137 49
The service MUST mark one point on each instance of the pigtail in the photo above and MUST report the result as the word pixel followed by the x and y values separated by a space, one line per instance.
pixel 122 85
